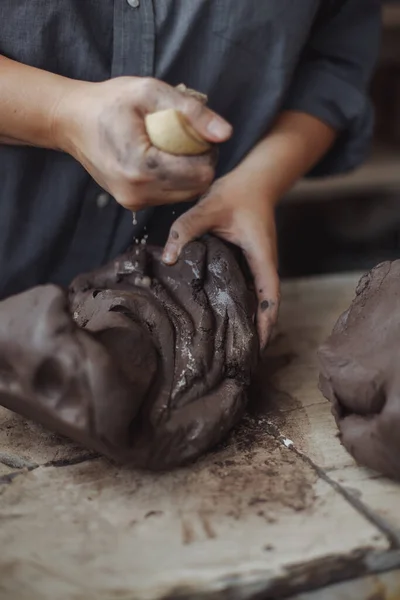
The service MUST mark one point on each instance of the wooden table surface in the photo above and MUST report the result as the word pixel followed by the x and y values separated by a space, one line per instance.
pixel 277 511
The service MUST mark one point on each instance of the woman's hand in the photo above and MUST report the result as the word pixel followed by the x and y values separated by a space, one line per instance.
pixel 240 207
pixel 239 212
pixel 102 126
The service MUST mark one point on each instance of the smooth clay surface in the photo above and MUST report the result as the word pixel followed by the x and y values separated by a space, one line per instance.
pixel 146 363
pixel 360 371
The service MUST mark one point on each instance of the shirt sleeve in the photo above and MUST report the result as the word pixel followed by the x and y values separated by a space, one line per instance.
pixel 332 79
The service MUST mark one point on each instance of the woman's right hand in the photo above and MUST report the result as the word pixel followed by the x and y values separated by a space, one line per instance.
pixel 102 125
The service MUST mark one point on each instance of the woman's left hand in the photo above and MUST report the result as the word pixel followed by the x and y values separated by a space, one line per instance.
pixel 240 212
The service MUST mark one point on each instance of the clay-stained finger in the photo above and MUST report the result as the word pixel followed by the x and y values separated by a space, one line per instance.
pixel 156 95
pixel 260 255
pixel 154 197
pixel 179 172
pixel 189 226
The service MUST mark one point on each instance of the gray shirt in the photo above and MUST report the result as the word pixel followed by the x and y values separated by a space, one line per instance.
pixel 252 58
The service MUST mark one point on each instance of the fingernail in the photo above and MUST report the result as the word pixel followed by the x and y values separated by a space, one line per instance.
pixel 219 128
pixel 169 256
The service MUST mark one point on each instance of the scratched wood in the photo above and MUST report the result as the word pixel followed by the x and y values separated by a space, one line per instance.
pixel 94 531
pixel 5 470
pixel 385 586
pixel 256 516
pixel 24 444
pixel 309 312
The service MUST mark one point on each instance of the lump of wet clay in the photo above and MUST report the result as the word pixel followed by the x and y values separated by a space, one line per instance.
pixel 360 372
pixel 146 363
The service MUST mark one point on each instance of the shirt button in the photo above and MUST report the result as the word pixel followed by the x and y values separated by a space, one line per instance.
pixel 102 200
pixel 133 3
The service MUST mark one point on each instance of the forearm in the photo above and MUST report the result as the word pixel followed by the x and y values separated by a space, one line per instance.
pixel 29 99
pixel 290 150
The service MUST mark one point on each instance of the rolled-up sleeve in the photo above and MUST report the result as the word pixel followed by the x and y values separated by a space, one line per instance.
pixel 332 79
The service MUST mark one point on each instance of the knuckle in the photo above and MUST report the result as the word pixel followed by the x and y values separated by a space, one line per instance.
pixel 147 88
pixel 193 108
pixel 152 162
pixel 139 204
pixel 131 201
pixel 180 227
pixel 174 233
pixel 184 226
pixel 203 207
pixel 146 84
pixel 200 171
pixel 206 175
pixel 153 167
pixel 133 176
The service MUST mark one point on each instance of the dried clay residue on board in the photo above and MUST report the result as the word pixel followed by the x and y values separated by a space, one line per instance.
pixel 250 469
pixel 252 472
pixel 253 469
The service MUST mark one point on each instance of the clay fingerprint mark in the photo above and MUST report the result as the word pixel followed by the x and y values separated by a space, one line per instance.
pixel 153 513
pixel 208 528
pixel 188 534
pixel 193 530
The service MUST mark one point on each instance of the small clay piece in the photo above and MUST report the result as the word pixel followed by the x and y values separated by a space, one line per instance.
pixel 146 363
pixel 360 372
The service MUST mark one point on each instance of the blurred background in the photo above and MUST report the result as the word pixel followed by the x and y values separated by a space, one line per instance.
pixel 352 223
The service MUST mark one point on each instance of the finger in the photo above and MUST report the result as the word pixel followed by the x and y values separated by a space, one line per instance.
pixel 206 122
pixel 191 225
pixel 136 202
pixel 157 95
pixel 260 255
pixel 179 172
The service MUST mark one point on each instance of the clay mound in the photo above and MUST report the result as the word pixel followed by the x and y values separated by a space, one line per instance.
pixel 147 364
pixel 360 372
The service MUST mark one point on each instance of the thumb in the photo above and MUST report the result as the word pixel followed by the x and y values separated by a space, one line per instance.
pixel 191 225
pixel 205 122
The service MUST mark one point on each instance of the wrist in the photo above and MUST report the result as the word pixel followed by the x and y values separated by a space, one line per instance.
pixel 258 180
pixel 292 147
pixel 28 103
pixel 65 116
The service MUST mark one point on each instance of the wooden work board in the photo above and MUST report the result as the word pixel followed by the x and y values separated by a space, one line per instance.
pixel 277 511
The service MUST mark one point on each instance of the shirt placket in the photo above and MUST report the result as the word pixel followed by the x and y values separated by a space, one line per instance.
pixel 134 38
pixel 133 55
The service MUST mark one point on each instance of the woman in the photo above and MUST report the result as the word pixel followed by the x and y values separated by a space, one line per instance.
pixel 287 86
